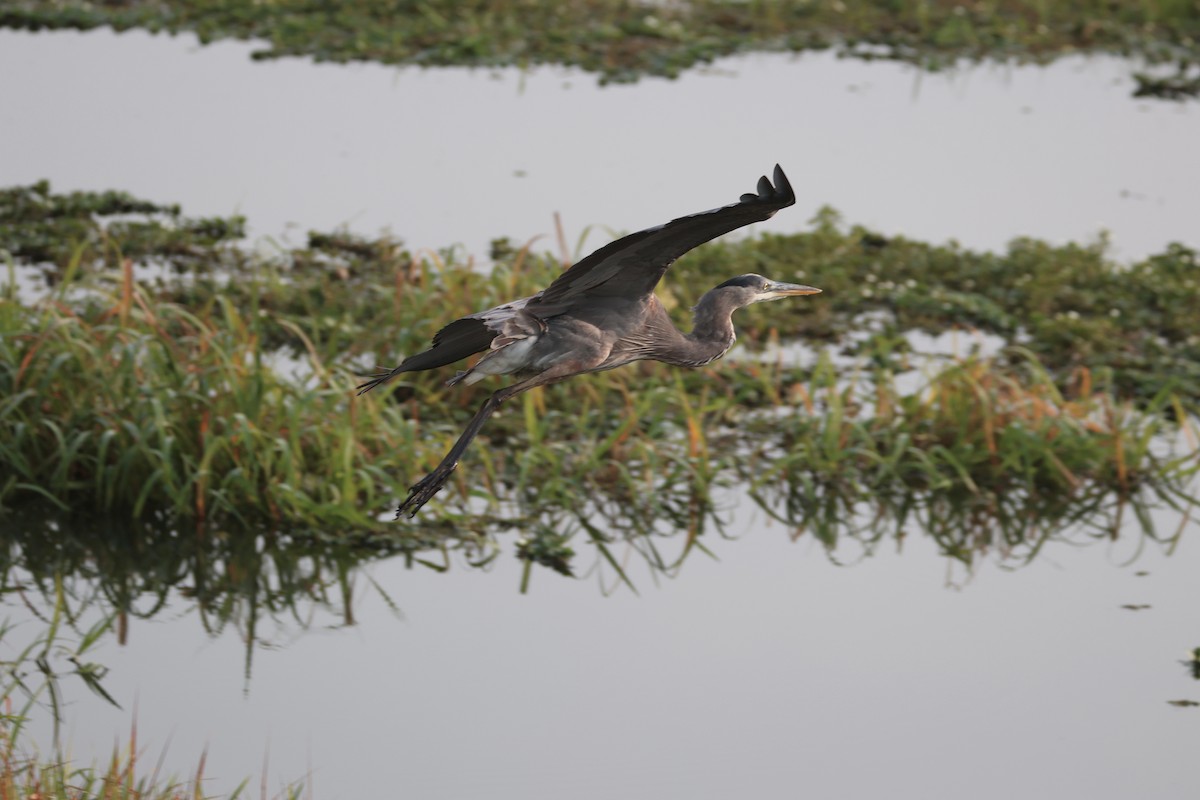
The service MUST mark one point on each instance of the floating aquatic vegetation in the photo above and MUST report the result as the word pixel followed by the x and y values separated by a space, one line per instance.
pixel 219 398
pixel 1184 84
pixel 622 40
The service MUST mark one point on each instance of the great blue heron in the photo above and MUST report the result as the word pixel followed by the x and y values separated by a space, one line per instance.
pixel 599 314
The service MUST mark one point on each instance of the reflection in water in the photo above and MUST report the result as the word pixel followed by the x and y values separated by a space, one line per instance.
pixel 1015 526
pixel 82 568
pixel 94 574
pixel 245 584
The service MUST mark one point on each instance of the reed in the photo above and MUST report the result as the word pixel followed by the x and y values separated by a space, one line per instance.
pixel 215 396
pixel 983 459
pixel 34 671
pixel 28 775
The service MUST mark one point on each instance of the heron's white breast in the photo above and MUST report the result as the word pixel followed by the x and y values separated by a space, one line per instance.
pixel 511 358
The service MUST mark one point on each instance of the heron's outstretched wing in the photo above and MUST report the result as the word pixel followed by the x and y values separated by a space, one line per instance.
pixel 629 267
pixel 633 265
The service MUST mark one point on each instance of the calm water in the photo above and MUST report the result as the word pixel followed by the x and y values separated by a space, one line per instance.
pixel 772 671
pixel 454 156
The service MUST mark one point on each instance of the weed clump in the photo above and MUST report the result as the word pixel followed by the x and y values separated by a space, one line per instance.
pixel 622 40
pixel 215 393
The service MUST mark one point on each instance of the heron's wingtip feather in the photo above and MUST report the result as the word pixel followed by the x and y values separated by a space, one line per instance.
pixel 765 189
pixel 777 192
pixel 783 186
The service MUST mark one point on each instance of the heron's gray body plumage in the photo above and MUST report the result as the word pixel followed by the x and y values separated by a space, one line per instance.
pixel 601 313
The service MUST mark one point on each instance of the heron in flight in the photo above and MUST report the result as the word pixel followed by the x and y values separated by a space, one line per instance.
pixel 599 314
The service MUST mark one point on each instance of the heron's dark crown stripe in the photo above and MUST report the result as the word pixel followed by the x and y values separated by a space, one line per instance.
pixel 748 281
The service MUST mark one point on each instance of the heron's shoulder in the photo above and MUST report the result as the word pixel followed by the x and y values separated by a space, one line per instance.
pixel 496 317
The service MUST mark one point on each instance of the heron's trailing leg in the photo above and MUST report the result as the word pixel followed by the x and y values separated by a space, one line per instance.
pixel 421 491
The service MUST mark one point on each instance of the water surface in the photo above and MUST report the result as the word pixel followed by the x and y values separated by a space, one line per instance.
pixel 458 156
pixel 773 671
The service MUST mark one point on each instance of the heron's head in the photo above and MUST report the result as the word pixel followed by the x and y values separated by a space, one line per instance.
pixel 747 289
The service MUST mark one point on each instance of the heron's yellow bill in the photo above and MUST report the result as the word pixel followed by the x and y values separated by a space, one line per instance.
pixel 789 289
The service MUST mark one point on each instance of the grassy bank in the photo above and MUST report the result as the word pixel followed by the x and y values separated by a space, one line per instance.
pixel 213 393
pixel 621 40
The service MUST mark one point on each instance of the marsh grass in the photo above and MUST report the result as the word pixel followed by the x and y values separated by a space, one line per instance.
pixel 177 405
pixel 979 459
pixel 35 667
pixel 623 39
pixel 27 775
pixel 213 399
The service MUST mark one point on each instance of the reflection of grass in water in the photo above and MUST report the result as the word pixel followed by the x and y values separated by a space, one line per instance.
pixel 249 580
pixel 622 39
pixel 152 401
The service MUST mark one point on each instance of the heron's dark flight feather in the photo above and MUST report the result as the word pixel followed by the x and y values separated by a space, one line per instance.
pixel 634 264
pixel 598 315
pixel 628 268
pixel 456 341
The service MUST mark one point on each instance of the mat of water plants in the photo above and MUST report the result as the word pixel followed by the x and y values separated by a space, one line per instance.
pixel 621 40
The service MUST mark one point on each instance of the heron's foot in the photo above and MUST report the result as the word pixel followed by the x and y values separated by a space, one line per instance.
pixel 421 491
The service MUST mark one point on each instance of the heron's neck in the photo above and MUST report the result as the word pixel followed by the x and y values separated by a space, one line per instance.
pixel 712 329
